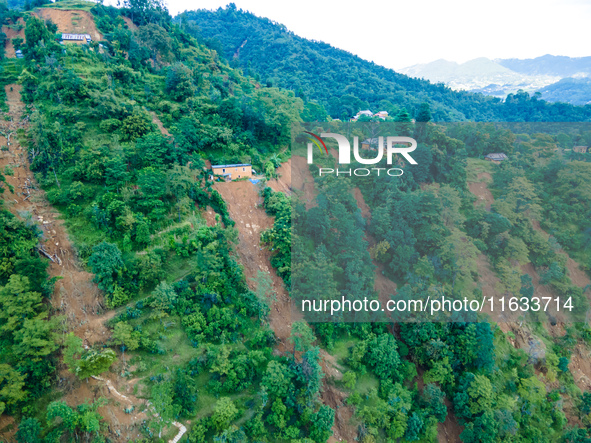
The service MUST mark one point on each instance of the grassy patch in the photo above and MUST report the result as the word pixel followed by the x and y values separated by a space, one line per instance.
pixel 82 232
pixel 71 4
pixel 366 383
pixel 477 166
pixel 341 349
pixel 176 268
pixel 176 348
pixel 10 69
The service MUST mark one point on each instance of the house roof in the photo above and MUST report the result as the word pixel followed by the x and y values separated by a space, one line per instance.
pixel 76 37
pixel 497 156
pixel 230 166
pixel 366 112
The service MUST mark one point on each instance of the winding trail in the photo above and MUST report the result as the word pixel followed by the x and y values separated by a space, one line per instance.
pixel 76 296
pixel 115 393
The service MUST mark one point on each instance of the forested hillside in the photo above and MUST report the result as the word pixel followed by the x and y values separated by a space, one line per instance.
pixel 138 303
pixel 427 232
pixel 549 64
pixel 118 134
pixel 573 90
pixel 342 82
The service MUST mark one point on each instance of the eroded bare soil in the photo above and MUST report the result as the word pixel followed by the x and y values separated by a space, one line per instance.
pixel 76 298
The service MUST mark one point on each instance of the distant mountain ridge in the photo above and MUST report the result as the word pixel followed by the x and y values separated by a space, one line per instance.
pixel 441 70
pixel 558 78
pixel 480 75
pixel 576 91
pixel 556 65
pixel 335 82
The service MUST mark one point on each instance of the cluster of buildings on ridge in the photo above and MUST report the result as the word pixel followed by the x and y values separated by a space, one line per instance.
pixel 371 143
pixel 382 114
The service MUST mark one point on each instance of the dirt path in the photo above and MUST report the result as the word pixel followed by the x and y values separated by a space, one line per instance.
pixel 158 123
pixel 13 33
pixel 449 431
pixel 76 296
pixel 132 401
pixel 481 191
pixel 122 426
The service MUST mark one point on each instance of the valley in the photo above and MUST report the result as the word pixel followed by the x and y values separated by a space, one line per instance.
pixel 553 78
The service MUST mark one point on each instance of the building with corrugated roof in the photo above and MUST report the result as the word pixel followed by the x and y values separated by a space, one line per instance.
pixel 76 38
pixel 496 157
pixel 232 171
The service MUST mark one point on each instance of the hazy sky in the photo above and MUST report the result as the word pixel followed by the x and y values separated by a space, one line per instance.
pixel 398 33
